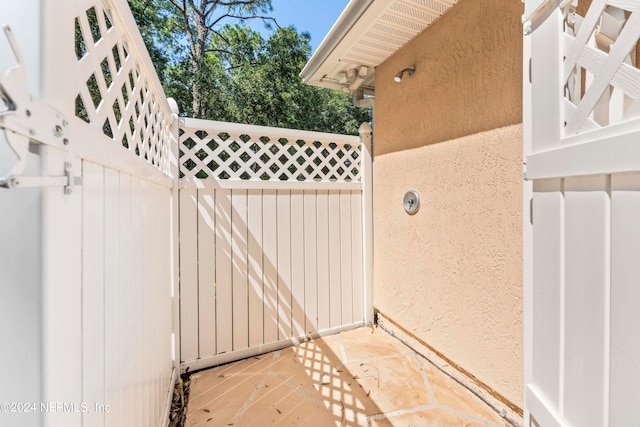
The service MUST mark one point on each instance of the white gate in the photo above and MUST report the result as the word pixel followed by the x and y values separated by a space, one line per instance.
pixel 273 235
pixel 582 228
pixel 88 218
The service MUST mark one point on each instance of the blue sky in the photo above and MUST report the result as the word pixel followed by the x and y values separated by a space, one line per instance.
pixel 314 16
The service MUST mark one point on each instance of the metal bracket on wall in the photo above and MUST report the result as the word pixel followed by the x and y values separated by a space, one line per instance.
pixel 68 180
pixel 532 20
pixel 28 121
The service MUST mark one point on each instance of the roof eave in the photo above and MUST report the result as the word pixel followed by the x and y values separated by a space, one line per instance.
pixel 340 29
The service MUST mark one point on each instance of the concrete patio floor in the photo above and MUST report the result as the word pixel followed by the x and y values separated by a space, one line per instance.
pixel 363 377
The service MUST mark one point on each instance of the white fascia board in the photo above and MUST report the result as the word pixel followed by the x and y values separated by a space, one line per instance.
pixel 340 30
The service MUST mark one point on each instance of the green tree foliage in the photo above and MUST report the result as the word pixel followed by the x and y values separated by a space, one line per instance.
pixel 199 21
pixel 155 33
pixel 240 76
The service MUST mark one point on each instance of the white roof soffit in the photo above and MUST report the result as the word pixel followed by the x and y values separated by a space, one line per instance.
pixel 365 35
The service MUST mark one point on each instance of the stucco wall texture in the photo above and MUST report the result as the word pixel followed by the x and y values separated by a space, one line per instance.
pixel 468 78
pixel 452 274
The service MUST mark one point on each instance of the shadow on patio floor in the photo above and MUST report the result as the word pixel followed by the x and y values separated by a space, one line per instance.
pixel 362 377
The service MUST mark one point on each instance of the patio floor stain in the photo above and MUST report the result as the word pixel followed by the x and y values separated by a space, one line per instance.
pixel 362 377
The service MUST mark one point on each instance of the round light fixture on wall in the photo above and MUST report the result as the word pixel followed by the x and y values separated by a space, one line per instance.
pixel 409 70
pixel 411 202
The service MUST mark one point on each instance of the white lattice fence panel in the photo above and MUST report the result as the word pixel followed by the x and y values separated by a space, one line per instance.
pixel 602 80
pixel 228 152
pixel 106 78
pixel 117 95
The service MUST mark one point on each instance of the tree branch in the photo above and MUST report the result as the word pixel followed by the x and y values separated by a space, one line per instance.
pixel 178 5
pixel 238 3
pixel 223 37
pixel 228 15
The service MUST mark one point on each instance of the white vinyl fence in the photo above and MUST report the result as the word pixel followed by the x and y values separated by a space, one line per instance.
pixel 273 228
pixel 88 221
pixel 582 228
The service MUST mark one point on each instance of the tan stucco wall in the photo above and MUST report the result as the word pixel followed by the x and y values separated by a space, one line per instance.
pixel 452 274
pixel 467 79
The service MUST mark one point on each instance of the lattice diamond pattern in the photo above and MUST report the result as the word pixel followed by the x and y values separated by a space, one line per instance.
pixel 601 75
pixel 260 158
pixel 117 96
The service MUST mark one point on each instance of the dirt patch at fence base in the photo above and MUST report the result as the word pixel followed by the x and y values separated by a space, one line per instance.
pixel 178 414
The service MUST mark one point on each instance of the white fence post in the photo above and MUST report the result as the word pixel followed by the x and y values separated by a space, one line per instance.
pixel 527 226
pixel 174 170
pixel 366 138
pixel 21 236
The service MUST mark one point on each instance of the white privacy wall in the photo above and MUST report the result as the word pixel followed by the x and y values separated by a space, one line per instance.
pixel 582 127
pixel 90 281
pixel 126 297
pixel 20 236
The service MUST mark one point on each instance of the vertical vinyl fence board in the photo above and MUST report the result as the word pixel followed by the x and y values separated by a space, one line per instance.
pixel 548 237
pixel 126 287
pixel 112 284
pixel 270 265
pixel 163 301
pixel 137 255
pixel 148 220
pixel 152 255
pixel 168 366
pixel 297 263
pixel 239 262
pixel 357 258
pixel 151 226
pixel 224 291
pixel 346 274
pixel 625 316
pixel 165 368
pixel 335 286
pixel 93 289
pixel 62 290
pixel 284 264
pixel 324 304
pixel 586 267
pixel 310 262
pixel 206 274
pixel 188 274
pixel 136 263
pixel 257 300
